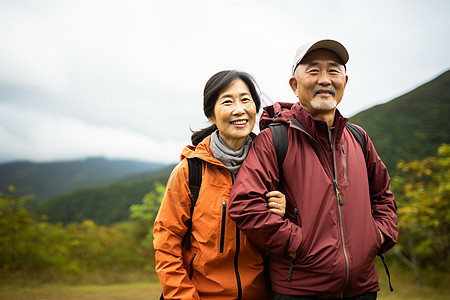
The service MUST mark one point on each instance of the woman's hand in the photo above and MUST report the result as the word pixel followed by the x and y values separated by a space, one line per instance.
pixel 276 202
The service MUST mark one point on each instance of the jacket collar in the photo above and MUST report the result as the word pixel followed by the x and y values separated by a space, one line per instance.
pixel 318 128
pixel 203 151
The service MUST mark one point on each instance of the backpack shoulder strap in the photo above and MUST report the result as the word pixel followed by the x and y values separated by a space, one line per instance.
pixel 280 141
pixel 195 181
pixel 280 138
pixel 195 177
pixel 358 135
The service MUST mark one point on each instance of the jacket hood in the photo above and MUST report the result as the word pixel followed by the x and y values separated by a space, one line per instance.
pixel 278 112
pixel 202 151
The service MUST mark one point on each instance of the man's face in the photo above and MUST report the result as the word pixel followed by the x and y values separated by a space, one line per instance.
pixel 319 81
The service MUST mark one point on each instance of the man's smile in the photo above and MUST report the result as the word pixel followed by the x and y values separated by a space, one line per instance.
pixel 324 91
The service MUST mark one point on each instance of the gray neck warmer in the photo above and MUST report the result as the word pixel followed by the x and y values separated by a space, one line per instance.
pixel 231 159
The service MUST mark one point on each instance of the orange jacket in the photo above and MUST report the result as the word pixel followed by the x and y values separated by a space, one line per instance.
pixel 231 271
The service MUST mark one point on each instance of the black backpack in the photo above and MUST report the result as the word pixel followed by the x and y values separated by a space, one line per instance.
pixel 195 181
pixel 280 143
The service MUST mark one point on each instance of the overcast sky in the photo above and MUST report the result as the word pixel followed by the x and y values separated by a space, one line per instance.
pixel 125 78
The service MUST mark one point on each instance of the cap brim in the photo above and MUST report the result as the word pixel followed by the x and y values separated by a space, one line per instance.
pixel 331 45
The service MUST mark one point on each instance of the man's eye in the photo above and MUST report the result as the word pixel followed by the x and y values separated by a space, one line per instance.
pixel 334 71
pixel 314 71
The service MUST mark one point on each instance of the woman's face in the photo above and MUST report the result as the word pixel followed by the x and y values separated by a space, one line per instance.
pixel 234 114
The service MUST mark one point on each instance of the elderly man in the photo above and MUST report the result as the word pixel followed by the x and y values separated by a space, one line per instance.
pixel 340 212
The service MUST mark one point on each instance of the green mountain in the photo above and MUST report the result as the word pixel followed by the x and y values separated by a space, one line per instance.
pixel 105 204
pixel 47 179
pixel 411 126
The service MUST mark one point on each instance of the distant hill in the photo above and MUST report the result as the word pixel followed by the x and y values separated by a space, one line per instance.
pixel 105 205
pixel 47 179
pixel 411 126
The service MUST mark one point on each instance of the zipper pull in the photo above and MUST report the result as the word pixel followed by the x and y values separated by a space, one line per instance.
pixel 292 258
pixel 330 137
pixel 338 195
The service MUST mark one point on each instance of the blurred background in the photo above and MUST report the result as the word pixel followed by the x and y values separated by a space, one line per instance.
pixel 124 79
pixel 99 97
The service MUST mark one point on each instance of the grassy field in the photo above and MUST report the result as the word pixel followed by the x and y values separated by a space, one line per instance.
pixel 150 289
pixel 136 291
pixel 405 290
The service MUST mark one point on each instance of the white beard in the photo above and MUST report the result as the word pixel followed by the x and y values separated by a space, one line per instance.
pixel 324 106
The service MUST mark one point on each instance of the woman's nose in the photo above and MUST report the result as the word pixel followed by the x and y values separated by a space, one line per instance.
pixel 238 109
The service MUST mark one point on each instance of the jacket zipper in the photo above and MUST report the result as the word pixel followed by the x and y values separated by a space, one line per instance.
pixel 339 200
pixel 222 229
pixel 340 203
pixel 191 263
pixel 344 163
pixel 292 258
pixel 236 264
pixel 236 257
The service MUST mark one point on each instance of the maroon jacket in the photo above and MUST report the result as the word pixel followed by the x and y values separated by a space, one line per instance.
pixel 334 244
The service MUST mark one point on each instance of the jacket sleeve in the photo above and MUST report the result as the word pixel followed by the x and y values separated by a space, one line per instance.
pixel 384 209
pixel 248 208
pixel 168 231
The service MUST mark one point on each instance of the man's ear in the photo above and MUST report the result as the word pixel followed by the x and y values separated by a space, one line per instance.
pixel 293 84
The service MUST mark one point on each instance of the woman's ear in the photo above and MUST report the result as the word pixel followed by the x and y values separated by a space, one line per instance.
pixel 212 120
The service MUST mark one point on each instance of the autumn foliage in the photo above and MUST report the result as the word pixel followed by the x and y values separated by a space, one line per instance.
pixel 422 192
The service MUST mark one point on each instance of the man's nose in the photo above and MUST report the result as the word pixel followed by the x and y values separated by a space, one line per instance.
pixel 324 79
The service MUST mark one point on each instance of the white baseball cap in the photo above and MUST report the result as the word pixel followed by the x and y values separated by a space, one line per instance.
pixel 331 45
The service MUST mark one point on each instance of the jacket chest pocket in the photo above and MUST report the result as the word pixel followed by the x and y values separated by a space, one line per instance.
pixel 222 225
pixel 210 220
pixel 344 162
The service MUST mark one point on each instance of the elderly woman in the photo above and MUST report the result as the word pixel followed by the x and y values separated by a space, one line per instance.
pixel 220 263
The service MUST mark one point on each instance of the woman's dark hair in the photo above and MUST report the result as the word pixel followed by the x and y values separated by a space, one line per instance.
pixel 213 87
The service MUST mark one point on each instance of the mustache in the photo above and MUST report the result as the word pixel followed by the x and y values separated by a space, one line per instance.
pixel 328 89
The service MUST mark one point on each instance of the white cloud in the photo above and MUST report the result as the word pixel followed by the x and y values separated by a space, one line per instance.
pixel 40 136
pixel 134 71
pixel 28 57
